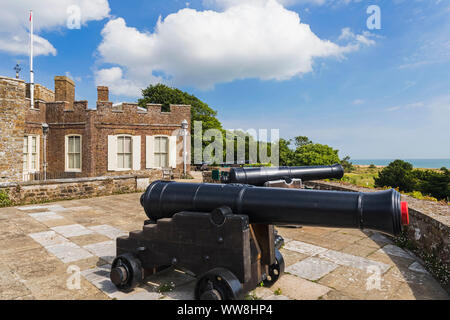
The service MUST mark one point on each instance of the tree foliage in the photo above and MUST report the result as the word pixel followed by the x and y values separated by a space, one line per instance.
pixel 314 154
pixel 200 111
pixel 400 174
pixel 306 153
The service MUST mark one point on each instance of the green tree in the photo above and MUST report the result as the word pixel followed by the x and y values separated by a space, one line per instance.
pixel 200 111
pixel 315 154
pixel 398 174
pixel 301 141
pixel 285 152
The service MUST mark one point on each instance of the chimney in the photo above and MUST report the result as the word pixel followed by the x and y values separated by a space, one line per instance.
pixel 64 90
pixel 102 93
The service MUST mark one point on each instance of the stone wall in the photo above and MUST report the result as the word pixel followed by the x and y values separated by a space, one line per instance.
pixel 65 189
pixel 428 232
pixel 12 125
pixel 41 93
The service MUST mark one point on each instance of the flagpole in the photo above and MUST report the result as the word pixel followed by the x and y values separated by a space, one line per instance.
pixel 31 61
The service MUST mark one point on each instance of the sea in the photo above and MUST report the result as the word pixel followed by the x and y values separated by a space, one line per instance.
pixel 417 163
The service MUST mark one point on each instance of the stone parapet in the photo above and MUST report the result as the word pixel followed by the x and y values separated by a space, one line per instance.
pixel 65 189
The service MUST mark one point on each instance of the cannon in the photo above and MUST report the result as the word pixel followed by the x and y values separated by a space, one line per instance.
pixel 223 233
pixel 282 177
pixel 260 176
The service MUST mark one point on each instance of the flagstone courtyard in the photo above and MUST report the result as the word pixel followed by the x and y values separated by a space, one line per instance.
pixel 42 248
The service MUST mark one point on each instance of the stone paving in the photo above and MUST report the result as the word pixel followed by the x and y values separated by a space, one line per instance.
pixel 64 250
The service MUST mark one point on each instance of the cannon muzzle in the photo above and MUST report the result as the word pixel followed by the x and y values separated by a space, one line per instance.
pixel 259 176
pixel 381 211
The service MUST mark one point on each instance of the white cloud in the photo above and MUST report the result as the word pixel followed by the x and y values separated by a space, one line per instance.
pixel 358 102
pixel 19 44
pixel 358 39
pixel 257 39
pixel 48 15
pixel 223 4
pixel 409 106
pixel 113 78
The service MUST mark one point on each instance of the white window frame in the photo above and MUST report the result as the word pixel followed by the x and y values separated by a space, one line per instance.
pixel 168 150
pixel 66 153
pixel 117 152
pixel 29 153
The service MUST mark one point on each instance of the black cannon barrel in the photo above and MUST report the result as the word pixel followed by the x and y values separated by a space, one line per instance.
pixel 380 211
pixel 259 176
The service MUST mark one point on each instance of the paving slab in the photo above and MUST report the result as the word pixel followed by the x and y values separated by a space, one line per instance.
pixel 45 216
pixel 395 251
pixel 312 268
pixel 290 257
pixel 349 260
pixel 380 239
pixel 53 207
pixel 417 267
pixel 144 295
pixel 303 247
pixel 108 231
pixel 48 238
pixel 72 230
pixel 299 289
pixel 105 250
pixel 68 252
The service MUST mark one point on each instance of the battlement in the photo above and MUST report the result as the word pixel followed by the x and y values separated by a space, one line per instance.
pixel 41 93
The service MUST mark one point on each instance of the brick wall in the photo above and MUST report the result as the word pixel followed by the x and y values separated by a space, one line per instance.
pixel 12 126
pixel 65 90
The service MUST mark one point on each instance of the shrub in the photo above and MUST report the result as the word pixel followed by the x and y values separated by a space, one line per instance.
pixel 434 183
pixel 347 165
pixel 4 199
pixel 398 174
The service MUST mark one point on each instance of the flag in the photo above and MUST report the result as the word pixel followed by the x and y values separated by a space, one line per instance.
pixel 30 15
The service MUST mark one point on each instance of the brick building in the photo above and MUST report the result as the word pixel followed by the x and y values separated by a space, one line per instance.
pixel 109 140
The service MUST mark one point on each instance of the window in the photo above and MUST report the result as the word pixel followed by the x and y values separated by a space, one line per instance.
pixel 30 153
pixel 25 153
pixel 33 154
pixel 73 153
pixel 161 152
pixel 124 152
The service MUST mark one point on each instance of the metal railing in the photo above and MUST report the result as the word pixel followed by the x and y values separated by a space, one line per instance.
pixel 39 176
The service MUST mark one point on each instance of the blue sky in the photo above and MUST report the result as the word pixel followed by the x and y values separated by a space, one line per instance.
pixel 369 93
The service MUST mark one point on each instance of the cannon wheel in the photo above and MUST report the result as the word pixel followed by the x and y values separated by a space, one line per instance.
pixel 126 272
pixel 275 270
pixel 218 284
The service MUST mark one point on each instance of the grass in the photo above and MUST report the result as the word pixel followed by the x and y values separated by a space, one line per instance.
pixel 362 176
pixel 166 287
